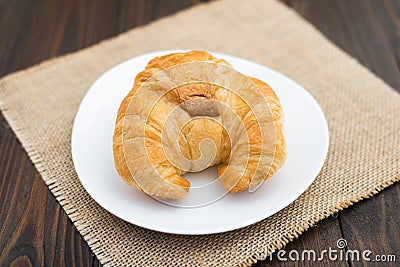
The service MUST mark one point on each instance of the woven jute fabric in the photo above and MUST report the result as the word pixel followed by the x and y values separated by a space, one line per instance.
pixel 363 114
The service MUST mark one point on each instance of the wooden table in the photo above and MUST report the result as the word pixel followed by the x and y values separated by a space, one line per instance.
pixel 34 230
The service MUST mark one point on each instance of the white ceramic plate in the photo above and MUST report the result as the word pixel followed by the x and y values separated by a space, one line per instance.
pixel 306 134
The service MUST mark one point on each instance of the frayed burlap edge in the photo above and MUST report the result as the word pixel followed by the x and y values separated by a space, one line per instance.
pixel 27 143
pixel 298 231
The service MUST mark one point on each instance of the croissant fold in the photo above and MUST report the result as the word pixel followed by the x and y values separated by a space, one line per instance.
pixel 189 111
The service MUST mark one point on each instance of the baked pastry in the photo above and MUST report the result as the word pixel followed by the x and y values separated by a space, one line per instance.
pixel 189 111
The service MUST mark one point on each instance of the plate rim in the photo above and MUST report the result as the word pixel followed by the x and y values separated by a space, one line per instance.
pixel 220 229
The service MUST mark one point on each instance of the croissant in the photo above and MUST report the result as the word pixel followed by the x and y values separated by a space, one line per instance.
pixel 189 111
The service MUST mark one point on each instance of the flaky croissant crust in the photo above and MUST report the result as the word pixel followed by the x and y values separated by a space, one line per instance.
pixel 177 186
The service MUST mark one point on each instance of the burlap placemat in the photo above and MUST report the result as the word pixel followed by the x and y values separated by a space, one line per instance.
pixel 363 114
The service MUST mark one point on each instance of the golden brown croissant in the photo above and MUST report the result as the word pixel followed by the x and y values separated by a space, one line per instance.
pixel 189 111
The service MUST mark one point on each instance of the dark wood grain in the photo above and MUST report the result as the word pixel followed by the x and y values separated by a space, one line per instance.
pixel 33 31
pixel 369 31
pixel 34 230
